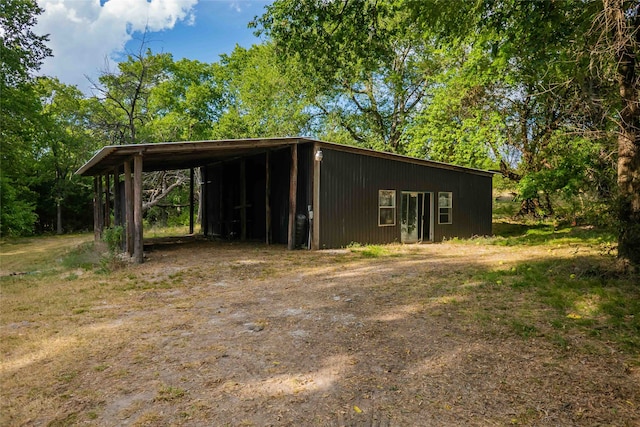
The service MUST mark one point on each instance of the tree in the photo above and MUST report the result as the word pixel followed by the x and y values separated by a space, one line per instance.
pixel 124 95
pixel 123 112
pixel 367 66
pixel 62 145
pixel 261 97
pixel 21 54
pixel 514 94
pixel 185 104
pixel 22 51
pixel 619 25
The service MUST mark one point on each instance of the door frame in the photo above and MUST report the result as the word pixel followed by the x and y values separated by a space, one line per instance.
pixel 427 202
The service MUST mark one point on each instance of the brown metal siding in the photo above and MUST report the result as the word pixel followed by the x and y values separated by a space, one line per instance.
pixel 349 198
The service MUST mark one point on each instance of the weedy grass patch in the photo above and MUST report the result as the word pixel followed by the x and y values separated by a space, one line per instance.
pixel 85 256
pixel 585 293
pixel 36 254
pixel 372 251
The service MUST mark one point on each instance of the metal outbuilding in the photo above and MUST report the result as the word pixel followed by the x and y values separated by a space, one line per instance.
pixel 298 191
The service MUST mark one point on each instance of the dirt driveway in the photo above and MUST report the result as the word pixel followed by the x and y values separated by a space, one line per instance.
pixel 223 334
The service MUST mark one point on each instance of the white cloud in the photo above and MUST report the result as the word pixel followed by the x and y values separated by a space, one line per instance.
pixel 83 33
pixel 235 5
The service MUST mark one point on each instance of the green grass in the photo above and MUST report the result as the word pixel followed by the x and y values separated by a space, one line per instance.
pixel 168 231
pixel 37 254
pixel 585 295
pixel 369 251
pixel 511 234
pixel 169 393
pixel 373 251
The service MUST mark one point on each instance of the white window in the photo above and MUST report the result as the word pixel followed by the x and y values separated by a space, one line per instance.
pixel 386 207
pixel 444 208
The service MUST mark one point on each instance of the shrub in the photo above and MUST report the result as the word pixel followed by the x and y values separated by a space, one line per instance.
pixel 113 238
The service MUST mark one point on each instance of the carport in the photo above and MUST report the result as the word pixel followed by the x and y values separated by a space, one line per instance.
pixel 118 169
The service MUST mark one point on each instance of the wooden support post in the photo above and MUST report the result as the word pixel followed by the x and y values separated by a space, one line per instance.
pixel 128 201
pixel 100 208
pixel 137 209
pixel 191 203
pixel 96 209
pixel 225 226
pixel 293 192
pixel 117 208
pixel 243 199
pixel 315 233
pixel 267 198
pixel 200 197
pixel 107 204
pixel 204 201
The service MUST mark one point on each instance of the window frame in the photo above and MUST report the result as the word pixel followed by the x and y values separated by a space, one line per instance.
pixel 392 207
pixel 445 210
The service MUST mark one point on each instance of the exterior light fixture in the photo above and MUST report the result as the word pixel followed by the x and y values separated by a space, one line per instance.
pixel 319 156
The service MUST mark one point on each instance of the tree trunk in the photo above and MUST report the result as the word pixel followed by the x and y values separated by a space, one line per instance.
pixel 626 41
pixel 629 186
pixel 58 216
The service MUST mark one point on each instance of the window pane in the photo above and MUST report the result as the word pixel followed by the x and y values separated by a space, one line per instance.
pixel 387 216
pixel 444 200
pixel 387 198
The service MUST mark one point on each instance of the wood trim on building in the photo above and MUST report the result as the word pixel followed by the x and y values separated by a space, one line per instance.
pixel 293 195
pixel 267 198
pixel 117 210
pixel 315 223
pixel 128 197
pixel 191 199
pixel 138 247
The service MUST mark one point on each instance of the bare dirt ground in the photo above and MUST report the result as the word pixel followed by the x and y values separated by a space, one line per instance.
pixel 226 334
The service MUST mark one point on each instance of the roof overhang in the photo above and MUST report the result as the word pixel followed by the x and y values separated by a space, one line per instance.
pixel 179 155
pixel 191 154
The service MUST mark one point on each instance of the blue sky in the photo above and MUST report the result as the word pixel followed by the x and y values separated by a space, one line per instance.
pixel 218 27
pixel 88 36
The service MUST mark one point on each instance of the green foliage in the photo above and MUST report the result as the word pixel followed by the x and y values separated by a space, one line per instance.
pixel 113 237
pixel 122 108
pixel 368 251
pixel 22 52
pixel 17 216
pixel 367 67
pixel 62 144
pixel 483 84
pixel 261 97
pixel 43 133
pixel 480 84
pixel 454 127
pixel 186 102
pixel 565 172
